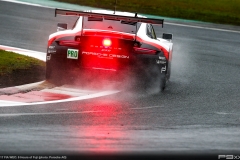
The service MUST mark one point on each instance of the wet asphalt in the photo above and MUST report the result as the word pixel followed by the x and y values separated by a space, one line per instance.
pixel 198 113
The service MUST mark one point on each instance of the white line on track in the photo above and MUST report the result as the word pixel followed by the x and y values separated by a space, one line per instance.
pixel 58 113
pixel 49 113
pixel 148 107
pixel 225 113
pixel 94 95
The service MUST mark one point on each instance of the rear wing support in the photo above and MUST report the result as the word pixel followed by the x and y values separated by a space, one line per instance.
pixel 108 16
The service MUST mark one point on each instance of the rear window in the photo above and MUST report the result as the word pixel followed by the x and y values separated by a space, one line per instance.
pixel 108 24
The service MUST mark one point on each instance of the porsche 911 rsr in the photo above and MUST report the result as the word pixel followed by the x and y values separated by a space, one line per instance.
pixel 107 43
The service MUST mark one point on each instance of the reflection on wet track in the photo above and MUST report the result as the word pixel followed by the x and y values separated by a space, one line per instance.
pixel 197 113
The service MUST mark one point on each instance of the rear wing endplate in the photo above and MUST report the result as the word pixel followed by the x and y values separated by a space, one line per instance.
pixel 108 16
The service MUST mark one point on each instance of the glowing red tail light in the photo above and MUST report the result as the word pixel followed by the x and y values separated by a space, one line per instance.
pixel 144 51
pixel 69 43
pixel 107 42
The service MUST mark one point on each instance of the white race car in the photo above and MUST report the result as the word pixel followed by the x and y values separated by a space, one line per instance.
pixel 115 44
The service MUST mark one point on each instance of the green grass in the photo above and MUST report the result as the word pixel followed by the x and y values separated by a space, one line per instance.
pixel 11 61
pixel 216 11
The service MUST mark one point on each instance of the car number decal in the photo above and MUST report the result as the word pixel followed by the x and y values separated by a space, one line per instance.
pixel 72 53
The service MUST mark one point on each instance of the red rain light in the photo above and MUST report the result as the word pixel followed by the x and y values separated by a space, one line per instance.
pixel 69 43
pixel 107 42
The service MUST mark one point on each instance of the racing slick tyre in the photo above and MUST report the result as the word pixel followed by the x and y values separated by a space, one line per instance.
pixel 162 83
pixel 55 75
pixel 154 80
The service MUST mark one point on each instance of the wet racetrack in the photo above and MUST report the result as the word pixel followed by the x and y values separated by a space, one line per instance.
pixel 198 113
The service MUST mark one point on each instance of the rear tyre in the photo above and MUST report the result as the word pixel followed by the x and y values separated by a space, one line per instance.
pixel 162 83
pixel 54 75
pixel 154 80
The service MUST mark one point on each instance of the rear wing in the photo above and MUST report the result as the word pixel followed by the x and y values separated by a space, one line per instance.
pixel 108 16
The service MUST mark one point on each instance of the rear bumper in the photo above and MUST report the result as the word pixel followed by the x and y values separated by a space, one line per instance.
pixel 137 65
